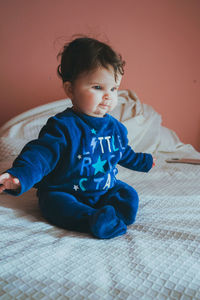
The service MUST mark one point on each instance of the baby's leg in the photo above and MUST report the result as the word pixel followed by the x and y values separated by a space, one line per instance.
pixel 124 199
pixel 105 224
pixel 64 210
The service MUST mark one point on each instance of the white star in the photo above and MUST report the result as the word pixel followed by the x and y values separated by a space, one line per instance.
pixel 79 156
pixel 76 187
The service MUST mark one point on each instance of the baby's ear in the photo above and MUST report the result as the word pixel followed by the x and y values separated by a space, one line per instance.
pixel 68 89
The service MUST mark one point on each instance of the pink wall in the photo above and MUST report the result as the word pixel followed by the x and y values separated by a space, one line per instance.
pixel 159 40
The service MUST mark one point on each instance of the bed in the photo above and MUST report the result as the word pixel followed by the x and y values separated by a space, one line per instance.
pixel 158 258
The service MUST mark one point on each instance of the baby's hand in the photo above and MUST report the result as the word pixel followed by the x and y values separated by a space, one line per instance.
pixel 8 182
pixel 154 162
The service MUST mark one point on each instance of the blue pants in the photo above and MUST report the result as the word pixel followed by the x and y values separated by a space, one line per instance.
pixel 105 216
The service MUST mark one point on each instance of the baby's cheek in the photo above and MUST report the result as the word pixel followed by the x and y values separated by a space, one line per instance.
pixel 114 104
pixel 91 102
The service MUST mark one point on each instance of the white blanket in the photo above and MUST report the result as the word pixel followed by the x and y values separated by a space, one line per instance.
pixel 158 258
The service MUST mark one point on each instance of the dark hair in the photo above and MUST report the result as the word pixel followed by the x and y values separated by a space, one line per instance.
pixel 85 54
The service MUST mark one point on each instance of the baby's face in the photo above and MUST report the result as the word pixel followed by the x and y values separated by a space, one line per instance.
pixel 95 93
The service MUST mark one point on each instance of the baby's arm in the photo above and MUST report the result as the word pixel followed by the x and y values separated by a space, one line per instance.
pixel 142 162
pixel 39 157
pixel 9 182
pixel 132 160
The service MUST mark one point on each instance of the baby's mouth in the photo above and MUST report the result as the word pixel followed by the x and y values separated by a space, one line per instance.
pixel 104 105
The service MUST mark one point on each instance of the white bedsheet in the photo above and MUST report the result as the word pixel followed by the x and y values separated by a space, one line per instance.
pixel 158 258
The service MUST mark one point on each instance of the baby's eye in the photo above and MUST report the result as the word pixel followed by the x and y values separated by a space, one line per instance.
pixel 113 89
pixel 97 87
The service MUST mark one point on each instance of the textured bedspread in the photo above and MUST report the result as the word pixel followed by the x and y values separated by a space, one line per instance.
pixel 158 258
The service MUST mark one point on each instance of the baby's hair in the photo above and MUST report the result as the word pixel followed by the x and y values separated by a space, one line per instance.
pixel 84 54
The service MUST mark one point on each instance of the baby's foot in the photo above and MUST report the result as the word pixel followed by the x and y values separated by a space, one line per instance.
pixel 104 223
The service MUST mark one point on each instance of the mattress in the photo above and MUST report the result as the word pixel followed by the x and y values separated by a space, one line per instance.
pixel 158 258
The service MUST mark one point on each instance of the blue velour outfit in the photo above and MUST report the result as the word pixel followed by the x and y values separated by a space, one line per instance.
pixel 73 166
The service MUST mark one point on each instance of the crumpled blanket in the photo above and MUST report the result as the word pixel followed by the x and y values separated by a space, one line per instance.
pixel 145 130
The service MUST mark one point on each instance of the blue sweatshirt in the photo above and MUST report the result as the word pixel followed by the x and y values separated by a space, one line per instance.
pixel 77 153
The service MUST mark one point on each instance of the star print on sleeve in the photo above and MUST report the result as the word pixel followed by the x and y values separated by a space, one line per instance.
pixel 98 166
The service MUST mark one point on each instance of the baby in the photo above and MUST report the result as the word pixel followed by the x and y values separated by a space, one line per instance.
pixel 73 162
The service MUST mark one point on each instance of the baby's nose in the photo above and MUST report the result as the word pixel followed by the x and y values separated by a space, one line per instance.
pixel 107 96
